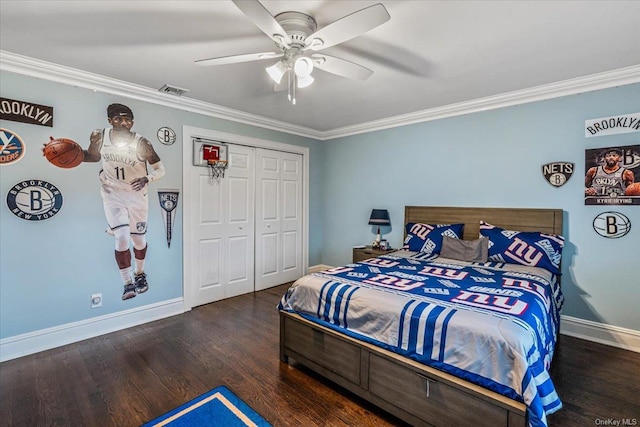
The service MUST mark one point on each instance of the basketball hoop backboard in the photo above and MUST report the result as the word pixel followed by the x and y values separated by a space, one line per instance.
pixel 205 152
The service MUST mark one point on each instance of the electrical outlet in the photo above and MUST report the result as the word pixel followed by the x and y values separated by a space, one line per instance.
pixel 96 300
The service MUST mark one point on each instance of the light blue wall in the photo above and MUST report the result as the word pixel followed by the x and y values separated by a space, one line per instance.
pixel 494 159
pixel 50 268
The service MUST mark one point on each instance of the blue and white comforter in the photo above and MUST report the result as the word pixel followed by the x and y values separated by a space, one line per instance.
pixel 492 324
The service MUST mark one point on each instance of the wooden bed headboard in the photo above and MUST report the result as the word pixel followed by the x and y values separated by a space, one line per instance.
pixel 517 219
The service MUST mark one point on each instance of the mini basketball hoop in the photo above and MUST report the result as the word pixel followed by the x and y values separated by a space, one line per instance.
pixel 211 155
pixel 216 169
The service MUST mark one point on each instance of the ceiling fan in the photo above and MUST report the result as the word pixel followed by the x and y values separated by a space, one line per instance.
pixel 296 35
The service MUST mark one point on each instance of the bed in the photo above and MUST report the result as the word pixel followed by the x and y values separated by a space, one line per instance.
pixel 435 340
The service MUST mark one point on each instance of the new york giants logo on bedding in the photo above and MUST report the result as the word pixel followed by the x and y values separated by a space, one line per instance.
pixel 528 287
pixel 422 230
pixel 445 273
pixel 393 282
pixel 380 262
pixel 523 253
pixel 338 270
pixel 526 248
pixel 500 303
pixel 427 238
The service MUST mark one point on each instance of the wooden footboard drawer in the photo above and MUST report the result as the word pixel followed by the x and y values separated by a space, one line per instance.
pixel 430 399
pixel 334 354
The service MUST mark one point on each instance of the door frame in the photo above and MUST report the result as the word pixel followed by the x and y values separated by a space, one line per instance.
pixel 190 132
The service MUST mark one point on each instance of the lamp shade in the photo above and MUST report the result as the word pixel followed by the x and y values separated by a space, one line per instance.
pixel 304 81
pixel 303 66
pixel 379 217
pixel 276 71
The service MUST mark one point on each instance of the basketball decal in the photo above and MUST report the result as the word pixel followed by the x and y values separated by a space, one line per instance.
pixel 63 153
pixel 12 147
pixel 633 189
pixel 34 200
pixel 612 225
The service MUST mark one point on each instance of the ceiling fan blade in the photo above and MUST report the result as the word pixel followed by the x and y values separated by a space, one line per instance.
pixel 348 27
pixel 261 17
pixel 234 59
pixel 341 67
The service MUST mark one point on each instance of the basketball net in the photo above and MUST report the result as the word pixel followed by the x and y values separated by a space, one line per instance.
pixel 216 169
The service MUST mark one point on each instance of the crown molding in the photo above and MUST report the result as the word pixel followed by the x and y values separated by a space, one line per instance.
pixel 619 77
pixel 46 70
pixel 58 73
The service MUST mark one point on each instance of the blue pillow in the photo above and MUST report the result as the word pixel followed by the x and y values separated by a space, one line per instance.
pixel 523 247
pixel 427 238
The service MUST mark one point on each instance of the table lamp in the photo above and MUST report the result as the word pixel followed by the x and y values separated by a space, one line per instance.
pixel 379 217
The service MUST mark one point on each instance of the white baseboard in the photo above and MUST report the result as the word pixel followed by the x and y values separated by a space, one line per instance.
pixel 46 339
pixel 318 267
pixel 614 336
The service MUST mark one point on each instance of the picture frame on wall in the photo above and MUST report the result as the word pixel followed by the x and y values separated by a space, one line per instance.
pixel 611 176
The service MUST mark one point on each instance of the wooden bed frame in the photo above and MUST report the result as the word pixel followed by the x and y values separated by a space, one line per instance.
pixel 415 393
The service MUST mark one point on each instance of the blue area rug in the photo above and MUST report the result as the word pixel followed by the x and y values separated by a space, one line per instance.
pixel 218 407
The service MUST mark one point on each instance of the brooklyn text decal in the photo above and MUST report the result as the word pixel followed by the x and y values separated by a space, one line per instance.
pixel 26 112
pixel 612 125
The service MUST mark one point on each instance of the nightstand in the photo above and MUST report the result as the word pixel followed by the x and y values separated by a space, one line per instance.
pixel 360 254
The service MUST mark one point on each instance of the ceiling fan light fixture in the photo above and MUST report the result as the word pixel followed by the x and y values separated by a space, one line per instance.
pixel 276 71
pixel 303 67
pixel 295 33
pixel 305 81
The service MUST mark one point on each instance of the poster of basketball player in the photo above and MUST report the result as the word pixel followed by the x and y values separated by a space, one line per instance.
pixel 611 176
pixel 129 165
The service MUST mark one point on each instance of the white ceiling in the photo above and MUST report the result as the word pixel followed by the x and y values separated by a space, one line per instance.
pixel 429 55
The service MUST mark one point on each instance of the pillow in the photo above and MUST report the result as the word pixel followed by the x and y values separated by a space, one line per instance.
pixel 465 250
pixel 523 247
pixel 427 238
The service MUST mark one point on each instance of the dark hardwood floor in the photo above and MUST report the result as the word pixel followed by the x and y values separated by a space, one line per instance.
pixel 132 376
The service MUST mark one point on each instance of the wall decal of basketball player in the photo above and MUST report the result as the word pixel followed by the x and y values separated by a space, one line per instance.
pixel 124 178
pixel 608 181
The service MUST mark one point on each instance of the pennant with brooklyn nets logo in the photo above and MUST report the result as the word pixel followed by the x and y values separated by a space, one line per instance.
pixel 558 173
pixel 168 202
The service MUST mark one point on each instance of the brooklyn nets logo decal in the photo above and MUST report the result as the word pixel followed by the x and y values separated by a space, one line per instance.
pixel 34 200
pixel 558 173
pixel 166 135
pixel 612 225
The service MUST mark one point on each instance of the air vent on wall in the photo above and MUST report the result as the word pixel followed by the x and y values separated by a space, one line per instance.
pixel 173 90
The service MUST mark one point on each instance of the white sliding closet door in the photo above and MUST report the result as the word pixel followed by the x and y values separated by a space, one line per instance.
pixel 222 233
pixel 278 218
